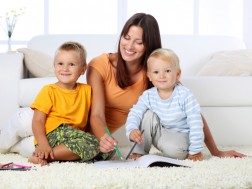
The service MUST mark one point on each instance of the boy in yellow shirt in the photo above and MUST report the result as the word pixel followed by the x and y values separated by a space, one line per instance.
pixel 61 112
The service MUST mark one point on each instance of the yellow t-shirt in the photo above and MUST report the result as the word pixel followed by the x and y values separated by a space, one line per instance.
pixel 117 101
pixel 64 106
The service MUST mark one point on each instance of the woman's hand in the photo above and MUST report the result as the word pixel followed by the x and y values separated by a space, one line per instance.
pixel 230 153
pixel 107 143
pixel 196 157
pixel 136 136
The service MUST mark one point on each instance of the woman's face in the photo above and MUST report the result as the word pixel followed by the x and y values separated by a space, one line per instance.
pixel 131 45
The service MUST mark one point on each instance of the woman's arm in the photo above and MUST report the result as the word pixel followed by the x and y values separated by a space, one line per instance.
pixel 97 115
pixel 209 141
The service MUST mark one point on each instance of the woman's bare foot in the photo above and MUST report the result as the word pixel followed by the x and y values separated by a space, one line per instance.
pixel 135 156
pixel 37 160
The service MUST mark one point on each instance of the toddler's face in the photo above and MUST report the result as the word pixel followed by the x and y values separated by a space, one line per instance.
pixel 162 73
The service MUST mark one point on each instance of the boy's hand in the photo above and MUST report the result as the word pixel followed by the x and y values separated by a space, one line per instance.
pixel 196 157
pixel 136 136
pixel 44 152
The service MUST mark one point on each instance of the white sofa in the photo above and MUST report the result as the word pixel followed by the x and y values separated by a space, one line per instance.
pixel 226 101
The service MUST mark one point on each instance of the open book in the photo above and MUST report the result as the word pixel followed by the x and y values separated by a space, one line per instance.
pixel 144 161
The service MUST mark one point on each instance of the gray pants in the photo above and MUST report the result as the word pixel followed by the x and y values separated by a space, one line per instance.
pixel 171 143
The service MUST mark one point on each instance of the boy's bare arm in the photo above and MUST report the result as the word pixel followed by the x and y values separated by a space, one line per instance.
pixel 44 150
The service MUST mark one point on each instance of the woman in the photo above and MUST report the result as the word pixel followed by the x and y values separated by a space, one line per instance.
pixel 118 80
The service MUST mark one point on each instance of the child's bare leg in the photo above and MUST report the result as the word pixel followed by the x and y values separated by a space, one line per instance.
pixel 37 160
pixel 62 153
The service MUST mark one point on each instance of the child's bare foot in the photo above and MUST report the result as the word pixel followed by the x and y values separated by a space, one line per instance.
pixel 135 156
pixel 37 160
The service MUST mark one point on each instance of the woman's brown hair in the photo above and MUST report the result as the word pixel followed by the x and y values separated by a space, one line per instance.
pixel 151 41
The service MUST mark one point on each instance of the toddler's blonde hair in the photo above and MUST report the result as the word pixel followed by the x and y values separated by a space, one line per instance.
pixel 166 55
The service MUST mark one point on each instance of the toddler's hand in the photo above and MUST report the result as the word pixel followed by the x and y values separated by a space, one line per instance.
pixel 136 136
pixel 196 157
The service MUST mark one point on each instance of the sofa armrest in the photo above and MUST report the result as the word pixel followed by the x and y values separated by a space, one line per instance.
pixel 12 70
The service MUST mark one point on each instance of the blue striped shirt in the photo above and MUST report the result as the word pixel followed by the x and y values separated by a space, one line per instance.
pixel 180 112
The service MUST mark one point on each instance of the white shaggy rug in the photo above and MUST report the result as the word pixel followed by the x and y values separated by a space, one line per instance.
pixel 212 173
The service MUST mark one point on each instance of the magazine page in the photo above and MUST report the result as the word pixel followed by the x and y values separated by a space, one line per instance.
pixel 160 161
pixel 143 161
pixel 117 164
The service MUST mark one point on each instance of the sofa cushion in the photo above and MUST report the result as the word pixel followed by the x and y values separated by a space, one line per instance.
pixel 228 63
pixel 39 64
pixel 18 126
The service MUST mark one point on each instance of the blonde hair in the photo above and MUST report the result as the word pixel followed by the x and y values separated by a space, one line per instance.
pixel 166 55
pixel 77 47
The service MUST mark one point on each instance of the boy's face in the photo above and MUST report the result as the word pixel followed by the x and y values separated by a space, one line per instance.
pixel 68 68
pixel 163 74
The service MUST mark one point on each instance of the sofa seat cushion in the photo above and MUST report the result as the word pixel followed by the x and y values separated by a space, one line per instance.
pixel 229 63
pixel 220 91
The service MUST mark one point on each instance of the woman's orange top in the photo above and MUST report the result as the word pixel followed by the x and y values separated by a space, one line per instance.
pixel 117 101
